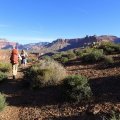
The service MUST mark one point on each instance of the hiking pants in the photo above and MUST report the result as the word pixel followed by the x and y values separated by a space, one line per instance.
pixel 14 69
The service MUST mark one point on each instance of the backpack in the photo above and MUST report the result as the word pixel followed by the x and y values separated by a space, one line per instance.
pixel 23 56
pixel 14 56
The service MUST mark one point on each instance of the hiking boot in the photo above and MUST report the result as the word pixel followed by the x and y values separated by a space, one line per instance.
pixel 13 76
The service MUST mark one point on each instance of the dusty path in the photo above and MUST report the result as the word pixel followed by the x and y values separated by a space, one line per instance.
pixel 11 89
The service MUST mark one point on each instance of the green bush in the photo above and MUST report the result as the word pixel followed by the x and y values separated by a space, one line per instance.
pixel 87 50
pixel 3 76
pixel 109 50
pixel 2 102
pixel 76 88
pixel 46 57
pixel 45 73
pixel 30 60
pixel 93 56
pixel 57 56
pixel 115 116
pixel 70 54
pixel 79 53
pixel 109 47
pixel 5 67
pixel 64 60
pixel 82 52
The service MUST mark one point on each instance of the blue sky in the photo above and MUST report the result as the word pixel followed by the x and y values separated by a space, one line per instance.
pixel 28 21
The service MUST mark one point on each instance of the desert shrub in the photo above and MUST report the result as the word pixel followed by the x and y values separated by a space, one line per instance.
pixel 2 102
pixel 57 56
pixel 45 73
pixel 76 88
pixel 110 48
pixel 5 67
pixel 64 60
pixel 93 56
pixel 79 53
pixel 70 55
pixel 46 57
pixel 3 76
pixel 108 60
pixel 87 50
pixel 115 116
pixel 29 60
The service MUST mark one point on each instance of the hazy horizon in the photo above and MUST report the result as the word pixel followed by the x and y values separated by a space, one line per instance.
pixel 54 39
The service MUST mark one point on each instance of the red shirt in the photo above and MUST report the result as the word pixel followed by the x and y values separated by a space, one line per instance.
pixel 14 56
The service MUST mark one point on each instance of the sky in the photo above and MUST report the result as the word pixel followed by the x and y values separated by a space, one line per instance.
pixel 29 21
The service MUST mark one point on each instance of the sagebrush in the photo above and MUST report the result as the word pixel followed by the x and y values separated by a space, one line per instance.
pixel 2 102
pixel 109 47
pixel 93 56
pixel 3 76
pixel 76 88
pixel 45 73
pixel 5 67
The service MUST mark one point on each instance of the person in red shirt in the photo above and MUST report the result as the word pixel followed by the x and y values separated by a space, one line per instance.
pixel 14 59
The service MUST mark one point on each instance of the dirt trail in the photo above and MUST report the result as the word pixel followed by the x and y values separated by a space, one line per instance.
pixel 12 89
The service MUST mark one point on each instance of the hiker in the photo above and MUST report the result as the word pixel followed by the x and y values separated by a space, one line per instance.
pixel 24 58
pixel 14 59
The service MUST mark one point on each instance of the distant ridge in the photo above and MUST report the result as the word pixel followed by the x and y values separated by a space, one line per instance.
pixel 59 44
pixel 33 46
pixel 67 44
pixel 6 44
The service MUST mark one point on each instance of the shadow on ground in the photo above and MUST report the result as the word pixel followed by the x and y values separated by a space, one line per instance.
pixel 106 88
pixel 83 116
pixel 19 94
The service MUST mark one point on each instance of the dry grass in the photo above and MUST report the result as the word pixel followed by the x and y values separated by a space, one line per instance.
pixel 46 73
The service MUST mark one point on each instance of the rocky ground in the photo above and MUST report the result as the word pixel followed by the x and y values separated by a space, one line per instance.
pixel 46 104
